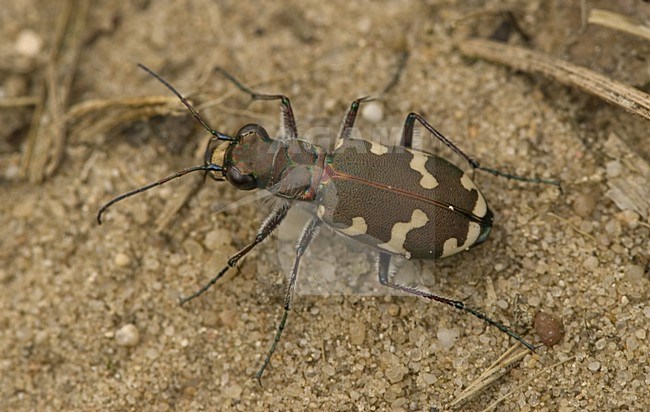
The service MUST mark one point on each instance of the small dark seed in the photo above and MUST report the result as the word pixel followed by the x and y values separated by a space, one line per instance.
pixel 549 328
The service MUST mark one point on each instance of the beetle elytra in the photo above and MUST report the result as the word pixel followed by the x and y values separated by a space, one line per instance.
pixel 424 208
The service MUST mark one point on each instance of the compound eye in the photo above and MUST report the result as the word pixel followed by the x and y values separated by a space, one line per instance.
pixel 239 180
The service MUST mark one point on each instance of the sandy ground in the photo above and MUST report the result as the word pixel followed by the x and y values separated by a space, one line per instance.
pixel 70 288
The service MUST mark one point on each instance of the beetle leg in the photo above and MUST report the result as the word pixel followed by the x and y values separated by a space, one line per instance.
pixel 348 120
pixel 407 141
pixel 268 226
pixel 288 126
pixel 308 233
pixel 384 271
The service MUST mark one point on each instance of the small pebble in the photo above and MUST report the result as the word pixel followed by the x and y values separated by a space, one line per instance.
pixel 217 238
pixel 613 228
pixel 229 318
pixel 122 260
pixel 634 273
pixel 372 112
pixel 628 218
pixel 233 391
pixel 57 209
pixel 329 370
pixel 396 373
pixel 447 337
pixel 151 263
pixel 393 310
pixel 364 24
pixel 631 344
pixel 584 204
pixel 127 335
pixel 415 355
pixel 12 172
pixel 591 263
pixel 594 366
pixel 357 333
pixel 614 168
pixel 534 301
pixel 428 378
pixel 193 248
pixel 28 43
pixel 549 328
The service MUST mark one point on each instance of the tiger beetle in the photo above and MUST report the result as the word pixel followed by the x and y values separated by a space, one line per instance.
pixel 395 199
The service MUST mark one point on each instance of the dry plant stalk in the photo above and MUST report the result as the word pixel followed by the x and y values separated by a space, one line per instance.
pixel 495 371
pixel 626 97
pixel 618 22
pixel 94 117
pixel 46 138
pixel 527 382
pixel 631 189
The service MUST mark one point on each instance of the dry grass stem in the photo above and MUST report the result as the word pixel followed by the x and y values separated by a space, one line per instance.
pixel 625 97
pixel 618 22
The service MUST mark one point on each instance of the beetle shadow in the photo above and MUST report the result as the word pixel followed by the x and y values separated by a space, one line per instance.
pixel 334 264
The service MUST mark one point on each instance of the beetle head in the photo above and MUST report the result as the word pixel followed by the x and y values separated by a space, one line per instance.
pixel 246 160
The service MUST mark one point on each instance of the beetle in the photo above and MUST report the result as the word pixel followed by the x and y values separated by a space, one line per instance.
pixel 423 206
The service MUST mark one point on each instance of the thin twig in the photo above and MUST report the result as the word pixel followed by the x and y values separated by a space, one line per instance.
pixel 626 97
pixel 19 102
pixel 572 226
pixel 618 22
pixel 494 404
pixel 495 371
pixel 47 135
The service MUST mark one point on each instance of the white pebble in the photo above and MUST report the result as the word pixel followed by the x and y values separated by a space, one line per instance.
pixel 593 366
pixel 28 43
pixel 12 172
pixel 372 112
pixel 217 238
pixel 122 260
pixel 447 337
pixel 428 378
pixel 127 335
pixel 233 391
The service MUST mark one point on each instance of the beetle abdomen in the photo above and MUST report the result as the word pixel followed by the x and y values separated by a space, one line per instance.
pixel 401 201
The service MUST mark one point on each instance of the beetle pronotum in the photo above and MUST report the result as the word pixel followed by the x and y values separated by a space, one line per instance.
pixel 430 208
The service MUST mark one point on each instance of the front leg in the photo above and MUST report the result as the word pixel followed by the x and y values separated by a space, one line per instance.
pixel 349 119
pixel 268 226
pixel 288 126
